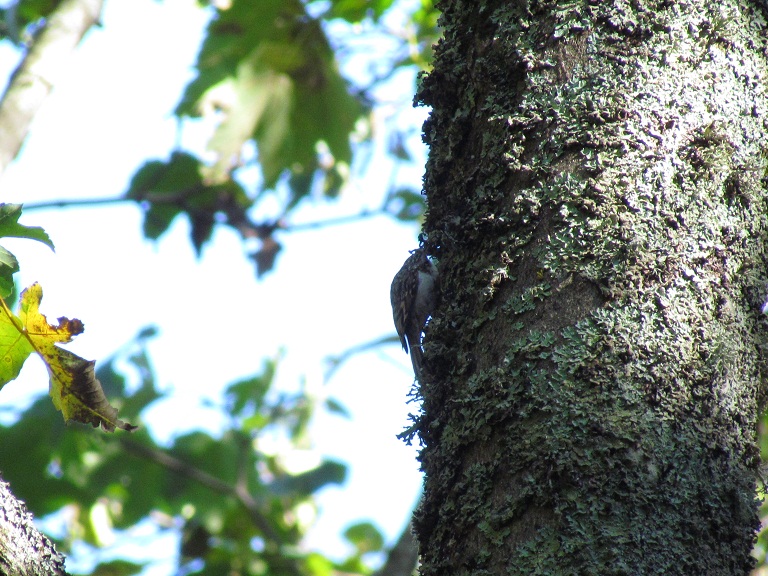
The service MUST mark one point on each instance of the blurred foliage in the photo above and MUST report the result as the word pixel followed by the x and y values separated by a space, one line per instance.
pixel 269 83
pixel 269 80
pixel 238 507
pixel 10 228
pixel 270 75
pixel 21 19
pixel 286 125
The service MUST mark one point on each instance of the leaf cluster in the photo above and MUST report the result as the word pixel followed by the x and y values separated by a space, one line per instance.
pixel 270 83
pixel 238 506
pixel 265 77
pixel 287 123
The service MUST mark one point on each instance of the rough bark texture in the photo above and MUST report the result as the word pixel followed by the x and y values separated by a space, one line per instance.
pixel 23 550
pixel 34 79
pixel 594 370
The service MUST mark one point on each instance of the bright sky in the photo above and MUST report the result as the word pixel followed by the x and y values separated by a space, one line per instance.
pixel 109 113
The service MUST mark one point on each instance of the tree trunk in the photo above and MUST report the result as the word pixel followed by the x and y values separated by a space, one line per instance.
pixel 23 550
pixel 594 369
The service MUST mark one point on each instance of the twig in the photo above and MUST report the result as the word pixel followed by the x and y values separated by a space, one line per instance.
pixel 300 227
pixel 76 203
pixel 339 220
pixel 185 469
pixel 335 362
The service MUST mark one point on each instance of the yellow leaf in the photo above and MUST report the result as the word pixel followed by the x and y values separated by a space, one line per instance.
pixel 74 389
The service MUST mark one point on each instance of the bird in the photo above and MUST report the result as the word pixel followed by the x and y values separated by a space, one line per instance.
pixel 413 294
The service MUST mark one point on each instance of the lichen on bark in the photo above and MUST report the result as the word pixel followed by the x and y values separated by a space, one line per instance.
pixel 597 200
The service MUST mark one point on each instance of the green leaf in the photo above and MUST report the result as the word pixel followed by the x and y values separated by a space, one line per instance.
pixel 164 186
pixel 117 568
pixel 10 227
pixel 336 407
pixel 8 267
pixel 365 537
pixel 158 218
pixel 14 348
pixel 172 180
pixel 311 481
pixel 270 76
pixel 168 189
pixel 405 204
pixel 333 182
pixel 356 10
pixel 249 393
pixel 22 19
pixel 255 94
pixel 319 565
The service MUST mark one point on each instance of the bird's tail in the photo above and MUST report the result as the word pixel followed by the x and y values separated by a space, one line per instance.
pixel 416 358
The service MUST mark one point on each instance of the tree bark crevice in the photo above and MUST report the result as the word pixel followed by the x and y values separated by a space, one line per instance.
pixel 594 370
pixel 24 551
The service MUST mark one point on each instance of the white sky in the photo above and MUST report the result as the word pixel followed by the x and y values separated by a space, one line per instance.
pixel 109 113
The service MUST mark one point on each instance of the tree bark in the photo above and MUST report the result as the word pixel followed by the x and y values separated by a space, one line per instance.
pixel 23 550
pixel 595 367
pixel 35 77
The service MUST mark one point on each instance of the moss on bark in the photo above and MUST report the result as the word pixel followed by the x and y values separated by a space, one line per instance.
pixel 597 201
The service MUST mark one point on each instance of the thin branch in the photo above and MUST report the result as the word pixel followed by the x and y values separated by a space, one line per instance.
pixel 300 227
pixel 35 77
pixel 208 480
pixel 348 219
pixel 335 362
pixel 76 203
pixel 244 449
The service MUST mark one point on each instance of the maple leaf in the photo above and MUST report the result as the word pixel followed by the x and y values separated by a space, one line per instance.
pixel 74 388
